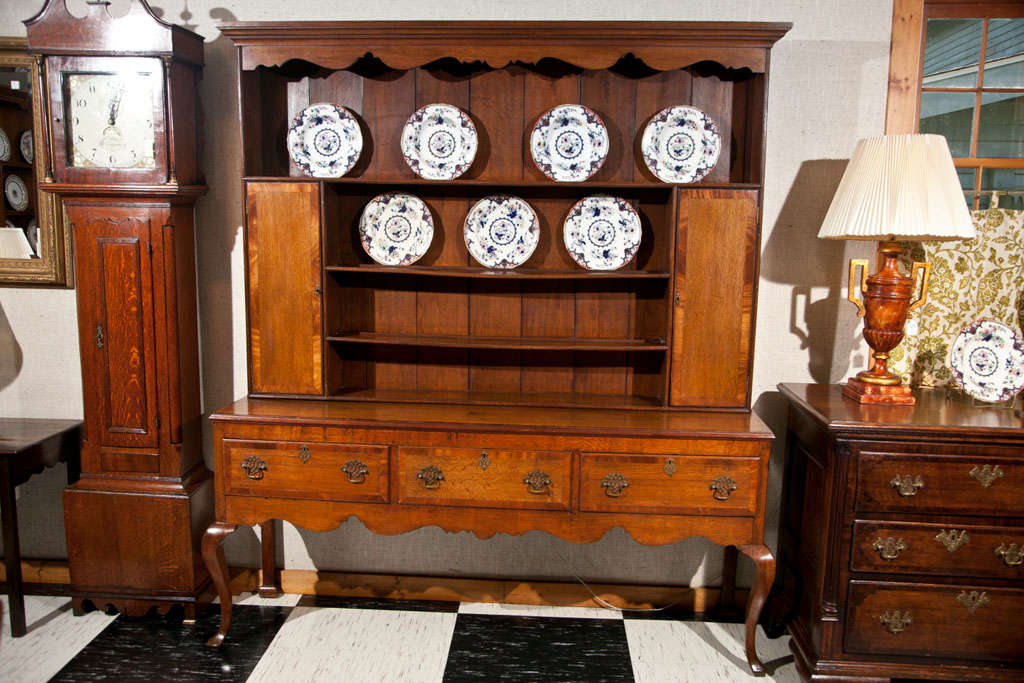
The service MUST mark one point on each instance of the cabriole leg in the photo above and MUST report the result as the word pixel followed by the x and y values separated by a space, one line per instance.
pixel 213 556
pixel 269 580
pixel 765 563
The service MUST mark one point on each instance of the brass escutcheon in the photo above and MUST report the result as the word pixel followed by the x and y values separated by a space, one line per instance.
pixel 973 600
pixel 907 485
pixel 99 336
pixel 952 539
pixel 614 484
pixel 431 477
pixel 722 488
pixel 670 466
pixel 986 475
pixel 304 454
pixel 356 471
pixel 895 620
pixel 537 482
pixel 254 467
pixel 890 548
pixel 1013 554
pixel 485 460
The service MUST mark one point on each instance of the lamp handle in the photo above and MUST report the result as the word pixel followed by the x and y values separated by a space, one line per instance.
pixel 926 272
pixel 851 293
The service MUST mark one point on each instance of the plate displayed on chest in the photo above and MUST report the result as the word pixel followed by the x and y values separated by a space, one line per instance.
pixel 5 146
pixel 396 229
pixel 501 231
pixel 681 144
pixel 602 232
pixel 439 142
pixel 16 193
pixel 988 361
pixel 569 143
pixel 324 140
pixel 25 146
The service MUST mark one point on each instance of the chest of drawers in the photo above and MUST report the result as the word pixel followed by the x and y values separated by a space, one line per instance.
pixel 902 540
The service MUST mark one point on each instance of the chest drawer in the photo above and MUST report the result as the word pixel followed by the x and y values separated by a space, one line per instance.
pixel 484 477
pixel 322 471
pixel 671 485
pixel 898 482
pixel 938 549
pixel 965 622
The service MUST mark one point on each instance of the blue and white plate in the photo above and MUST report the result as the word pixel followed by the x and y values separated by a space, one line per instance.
pixel 25 146
pixel 988 361
pixel 324 140
pixel 16 192
pixel 681 144
pixel 396 229
pixel 501 231
pixel 569 143
pixel 439 142
pixel 602 232
pixel 5 146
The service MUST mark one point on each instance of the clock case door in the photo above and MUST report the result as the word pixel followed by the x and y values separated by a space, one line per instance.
pixel 58 68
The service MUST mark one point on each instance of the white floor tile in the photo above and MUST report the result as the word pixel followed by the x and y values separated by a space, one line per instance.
pixel 54 637
pixel 538 611
pixel 283 600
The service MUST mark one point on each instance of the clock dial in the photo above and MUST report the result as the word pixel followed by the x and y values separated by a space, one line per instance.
pixel 110 120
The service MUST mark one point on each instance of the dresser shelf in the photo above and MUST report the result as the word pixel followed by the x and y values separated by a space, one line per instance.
pixel 511 343
pixel 494 398
pixel 511 274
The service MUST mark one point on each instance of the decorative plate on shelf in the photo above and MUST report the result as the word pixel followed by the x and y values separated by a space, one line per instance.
pixel 501 231
pixel 25 146
pixel 5 146
pixel 988 361
pixel 569 143
pixel 16 192
pixel 602 233
pixel 32 235
pixel 325 141
pixel 681 144
pixel 396 229
pixel 439 142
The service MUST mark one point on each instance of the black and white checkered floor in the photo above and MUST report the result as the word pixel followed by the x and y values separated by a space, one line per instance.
pixel 307 638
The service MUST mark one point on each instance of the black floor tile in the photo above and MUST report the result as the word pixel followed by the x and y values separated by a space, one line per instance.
pixel 504 648
pixel 154 648
pixel 675 614
pixel 378 603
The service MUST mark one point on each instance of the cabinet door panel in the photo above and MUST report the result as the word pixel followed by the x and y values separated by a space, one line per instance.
pixel 285 335
pixel 116 325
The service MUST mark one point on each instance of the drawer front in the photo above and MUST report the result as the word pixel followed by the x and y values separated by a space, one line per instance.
pixel 671 485
pixel 938 549
pixel 323 471
pixel 965 622
pixel 937 483
pixel 484 477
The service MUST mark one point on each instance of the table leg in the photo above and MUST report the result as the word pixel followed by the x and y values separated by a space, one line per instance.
pixel 269 580
pixel 12 551
pixel 213 556
pixel 765 563
pixel 727 598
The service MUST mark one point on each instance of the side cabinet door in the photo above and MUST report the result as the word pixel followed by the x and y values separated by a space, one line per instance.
pixel 715 285
pixel 114 276
pixel 285 334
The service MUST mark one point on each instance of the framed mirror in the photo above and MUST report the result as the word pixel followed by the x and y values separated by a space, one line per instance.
pixel 35 242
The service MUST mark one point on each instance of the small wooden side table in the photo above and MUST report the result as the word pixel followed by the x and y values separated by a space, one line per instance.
pixel 27 446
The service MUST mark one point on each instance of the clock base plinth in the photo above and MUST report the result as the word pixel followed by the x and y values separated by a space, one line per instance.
pixel 878 394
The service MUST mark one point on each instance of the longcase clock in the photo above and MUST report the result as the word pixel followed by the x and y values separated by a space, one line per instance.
pixel 120 103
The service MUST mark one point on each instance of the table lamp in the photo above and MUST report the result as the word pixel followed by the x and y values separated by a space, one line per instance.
pixel 896 187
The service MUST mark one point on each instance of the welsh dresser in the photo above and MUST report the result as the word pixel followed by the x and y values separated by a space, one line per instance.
pixel 546 397
pixel 902 538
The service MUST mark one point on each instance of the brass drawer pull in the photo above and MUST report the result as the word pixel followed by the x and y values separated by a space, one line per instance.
pixel 304 454
pixel 906 485
pixel 895 620
pixel 1013 555
pixel 431 477
pixel 723 487
pixel 356 471
pixel 254 467
pixel 614 484
pixel 890 548
pixel 986 475
pixel 952 539
pixel 537 482
pixel 973 600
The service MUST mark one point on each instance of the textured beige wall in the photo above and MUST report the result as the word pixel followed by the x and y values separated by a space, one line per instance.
pixel 827 90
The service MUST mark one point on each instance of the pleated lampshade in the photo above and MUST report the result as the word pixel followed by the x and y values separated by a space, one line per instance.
pixel 899 187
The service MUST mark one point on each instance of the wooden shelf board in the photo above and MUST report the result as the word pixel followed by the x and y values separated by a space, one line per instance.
pixel 549 399
pixel 15 164
pixel 512 343
pixel 586 186
pixel 512 274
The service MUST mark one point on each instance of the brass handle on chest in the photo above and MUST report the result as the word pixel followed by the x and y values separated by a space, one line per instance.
pixel 722 488
pixel 356 471
pixel 907 485
pixel 537 482
pixel 972 600
pixel 431 477
pixel 254 467
pixel 1012 554
pixel 889 548
pixel 614 484
pixel 987 475
pixel 895 620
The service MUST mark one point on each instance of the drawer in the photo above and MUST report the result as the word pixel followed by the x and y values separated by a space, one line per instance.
pixel 900 482
pixel 482 477
pixel 669 484
pixel 322 471
pixel 964 622
pixel 938 549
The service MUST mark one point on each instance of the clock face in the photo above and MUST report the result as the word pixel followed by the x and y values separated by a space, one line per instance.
pixel 110 120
